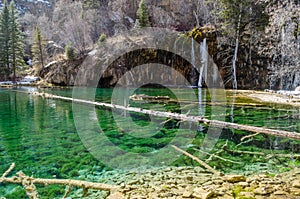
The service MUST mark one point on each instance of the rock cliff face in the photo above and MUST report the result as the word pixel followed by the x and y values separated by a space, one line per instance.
pixel 175 14
pixel 62 72
pixel 120 16
pixel 249 76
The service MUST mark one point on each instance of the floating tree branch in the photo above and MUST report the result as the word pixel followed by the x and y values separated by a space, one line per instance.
pixel 183 117
pixel 29 183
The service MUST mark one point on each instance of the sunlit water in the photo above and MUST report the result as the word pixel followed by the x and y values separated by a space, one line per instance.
pixel 40 137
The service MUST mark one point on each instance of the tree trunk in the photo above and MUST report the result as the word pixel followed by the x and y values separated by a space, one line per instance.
pixel 234 81
pixel 182 117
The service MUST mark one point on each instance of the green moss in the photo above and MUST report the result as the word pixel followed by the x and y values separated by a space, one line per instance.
pixel 271 175
pixel 236 193
pixel 73 173
pixel 165 187
pixel 102 38
pixel 50 191
pixel 17 193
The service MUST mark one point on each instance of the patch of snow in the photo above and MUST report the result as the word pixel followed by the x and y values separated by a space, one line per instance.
pixel 38 1
pixel 29 62
pixel 93 52
pixel 29 79
pixel 25 81
pixel 55 44
pixel 6 83
pixel 289 93
pixel 129 19
pixel 50 64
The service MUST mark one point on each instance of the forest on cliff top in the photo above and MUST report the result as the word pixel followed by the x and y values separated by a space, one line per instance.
pixel 255 35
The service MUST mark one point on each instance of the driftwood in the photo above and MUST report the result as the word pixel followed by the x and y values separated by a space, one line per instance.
pixel 148 97
pixel 29 183
pixel 249 136
pixel 209 168
pixel 216 156
pixel 183 117
pixel 225 148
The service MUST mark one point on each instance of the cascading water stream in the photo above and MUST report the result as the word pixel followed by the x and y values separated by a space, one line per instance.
pixel 202 76
pixel 193 61
pixel 203 67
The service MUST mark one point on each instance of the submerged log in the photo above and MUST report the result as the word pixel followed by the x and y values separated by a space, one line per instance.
pixel 182 117
pixel 209 168
pixel 28 182
pixel 148 97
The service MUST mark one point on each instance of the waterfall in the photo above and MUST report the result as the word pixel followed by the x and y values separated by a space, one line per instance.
pixel 193 60
pixel 203 67
pixel 202 76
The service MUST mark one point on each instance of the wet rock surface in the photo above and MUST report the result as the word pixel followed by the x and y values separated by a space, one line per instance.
pixel 194 182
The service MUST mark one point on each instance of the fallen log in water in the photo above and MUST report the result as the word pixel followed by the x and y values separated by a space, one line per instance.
pixel 141 97
pixel 182 117
pixel 29 182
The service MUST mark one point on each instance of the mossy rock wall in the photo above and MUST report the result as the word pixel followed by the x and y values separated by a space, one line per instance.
pixel 252 69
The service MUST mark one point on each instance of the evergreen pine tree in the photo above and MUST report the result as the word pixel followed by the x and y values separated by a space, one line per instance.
pixel 39 48
pixel 91 4
pixel 4 41
pixel 142 15
pixel 70 53
pixel 16 41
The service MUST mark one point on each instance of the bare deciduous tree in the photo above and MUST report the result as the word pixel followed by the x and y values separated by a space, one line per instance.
pixel 71 26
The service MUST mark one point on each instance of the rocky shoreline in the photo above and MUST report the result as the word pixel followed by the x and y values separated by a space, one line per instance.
pixel 289 97
pixel 194 182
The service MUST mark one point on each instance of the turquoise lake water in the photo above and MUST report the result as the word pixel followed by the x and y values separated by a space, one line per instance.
pixel 39 135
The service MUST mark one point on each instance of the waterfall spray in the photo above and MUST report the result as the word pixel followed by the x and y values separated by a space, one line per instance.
pixel 203 67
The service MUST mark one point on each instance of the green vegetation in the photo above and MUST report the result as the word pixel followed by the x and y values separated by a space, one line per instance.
pixel 12 42
pixel 4 41
pixel 242 15
pixel 39 49
pixel 70 52
pixel 93 4
pixel 142 15
pixel 40 137
pixel 102 38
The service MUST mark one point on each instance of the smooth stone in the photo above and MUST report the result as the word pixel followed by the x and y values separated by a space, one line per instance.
pixel 116 195
pixel 295 191
pixel 243 184
pixel 246 194
pixel 280 192
pixel 189 178
pixel 296 184
pixel 187 194
pixel 263 190
pixel 200 193
pixel 235 178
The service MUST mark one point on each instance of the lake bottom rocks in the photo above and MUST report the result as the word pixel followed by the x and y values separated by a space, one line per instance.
pixel 194 182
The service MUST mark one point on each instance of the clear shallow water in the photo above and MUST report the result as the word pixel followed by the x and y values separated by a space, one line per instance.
pixel 39 134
